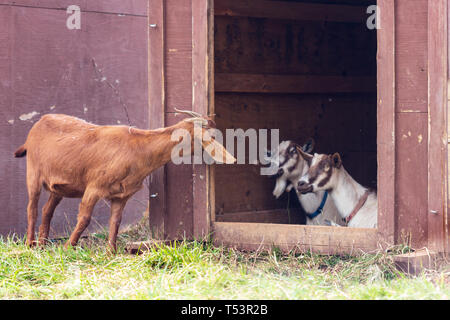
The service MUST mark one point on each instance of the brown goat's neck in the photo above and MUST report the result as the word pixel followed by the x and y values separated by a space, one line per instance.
pixel 157 145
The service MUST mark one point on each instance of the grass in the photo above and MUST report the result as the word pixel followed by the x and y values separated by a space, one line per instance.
pixel 197 270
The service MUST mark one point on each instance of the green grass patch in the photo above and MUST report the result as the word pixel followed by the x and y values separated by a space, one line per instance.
pixel 197 270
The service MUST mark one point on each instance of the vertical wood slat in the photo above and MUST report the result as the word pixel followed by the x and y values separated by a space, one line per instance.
pixel 211 111
pixel 437 123
pixel 178 92
pixel 202 75
pixel 386 121
pixel 447 231
pixel 157 185
pixel 411 122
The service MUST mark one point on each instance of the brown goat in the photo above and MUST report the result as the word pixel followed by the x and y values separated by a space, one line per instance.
pixel 76 159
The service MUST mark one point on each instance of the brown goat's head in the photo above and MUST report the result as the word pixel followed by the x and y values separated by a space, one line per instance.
pixel 202 130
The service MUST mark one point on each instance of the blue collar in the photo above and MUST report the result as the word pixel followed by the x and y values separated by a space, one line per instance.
pixel 320 209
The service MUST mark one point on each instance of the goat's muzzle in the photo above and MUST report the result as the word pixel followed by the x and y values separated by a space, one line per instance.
pixel 303 187
pixel 277 174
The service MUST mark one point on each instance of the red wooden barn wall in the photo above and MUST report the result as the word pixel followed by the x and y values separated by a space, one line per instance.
pixel 96 73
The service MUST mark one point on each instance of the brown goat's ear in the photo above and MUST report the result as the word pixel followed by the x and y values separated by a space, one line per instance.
pixel 336 160
pixel 214 149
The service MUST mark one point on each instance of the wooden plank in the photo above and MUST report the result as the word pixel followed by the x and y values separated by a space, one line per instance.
pixel 291 10
pixel 157 105
pixel 12 187
pixel 129 7
pixel 261 83
pixel 411 54
pixel 283 216
pixel 411 179
pixel 325 240
pixel 437 124
pixel 178 220
pixel 178 54
pixel 386 122
pixel 211 110
pixel 267 46
pixel 120 7
pixel 105 83
pixel 49 4
pixel 202 75
pixel 178 80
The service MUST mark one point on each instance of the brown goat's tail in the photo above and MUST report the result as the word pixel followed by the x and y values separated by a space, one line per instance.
pixel 21 152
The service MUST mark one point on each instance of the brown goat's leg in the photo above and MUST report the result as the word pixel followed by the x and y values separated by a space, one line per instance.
pixel 47 215
pixel 34 192
pixel 84 217
pixel 32 212
pixel 117 207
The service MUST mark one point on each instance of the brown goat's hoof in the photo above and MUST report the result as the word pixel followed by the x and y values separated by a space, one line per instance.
pixel 69 245
pixel 31 244
pixel 43 243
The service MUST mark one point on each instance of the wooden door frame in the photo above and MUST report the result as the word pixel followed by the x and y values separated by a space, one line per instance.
pixel 203 103
pixel 386 140
pixel 257 236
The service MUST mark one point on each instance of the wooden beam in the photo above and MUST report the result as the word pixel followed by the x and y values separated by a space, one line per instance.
pixel 325 240
pixel 291 11
pixel 157 105
pixel 415 263
pixel 139 247
pixel 265 83
pixel 386 122
pixel 437 125
pixel 202 75
pixel 278 216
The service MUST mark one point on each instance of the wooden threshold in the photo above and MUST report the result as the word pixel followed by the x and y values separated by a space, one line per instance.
pixel 320 239
pixel 277 216
pixel 291 11
pixel 268 83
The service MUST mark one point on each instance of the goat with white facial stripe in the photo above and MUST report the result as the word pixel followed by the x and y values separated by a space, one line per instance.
pixel 290 163
pixel 357 205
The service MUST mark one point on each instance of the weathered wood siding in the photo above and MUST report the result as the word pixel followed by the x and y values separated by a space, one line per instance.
pixel 98 73
pixel 420 99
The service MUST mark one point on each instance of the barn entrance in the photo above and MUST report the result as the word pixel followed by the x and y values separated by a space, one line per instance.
pixel 307 68
pixel 310 69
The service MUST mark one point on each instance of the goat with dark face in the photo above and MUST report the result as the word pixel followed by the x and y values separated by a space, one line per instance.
pixel 357 205
pixel 291 162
